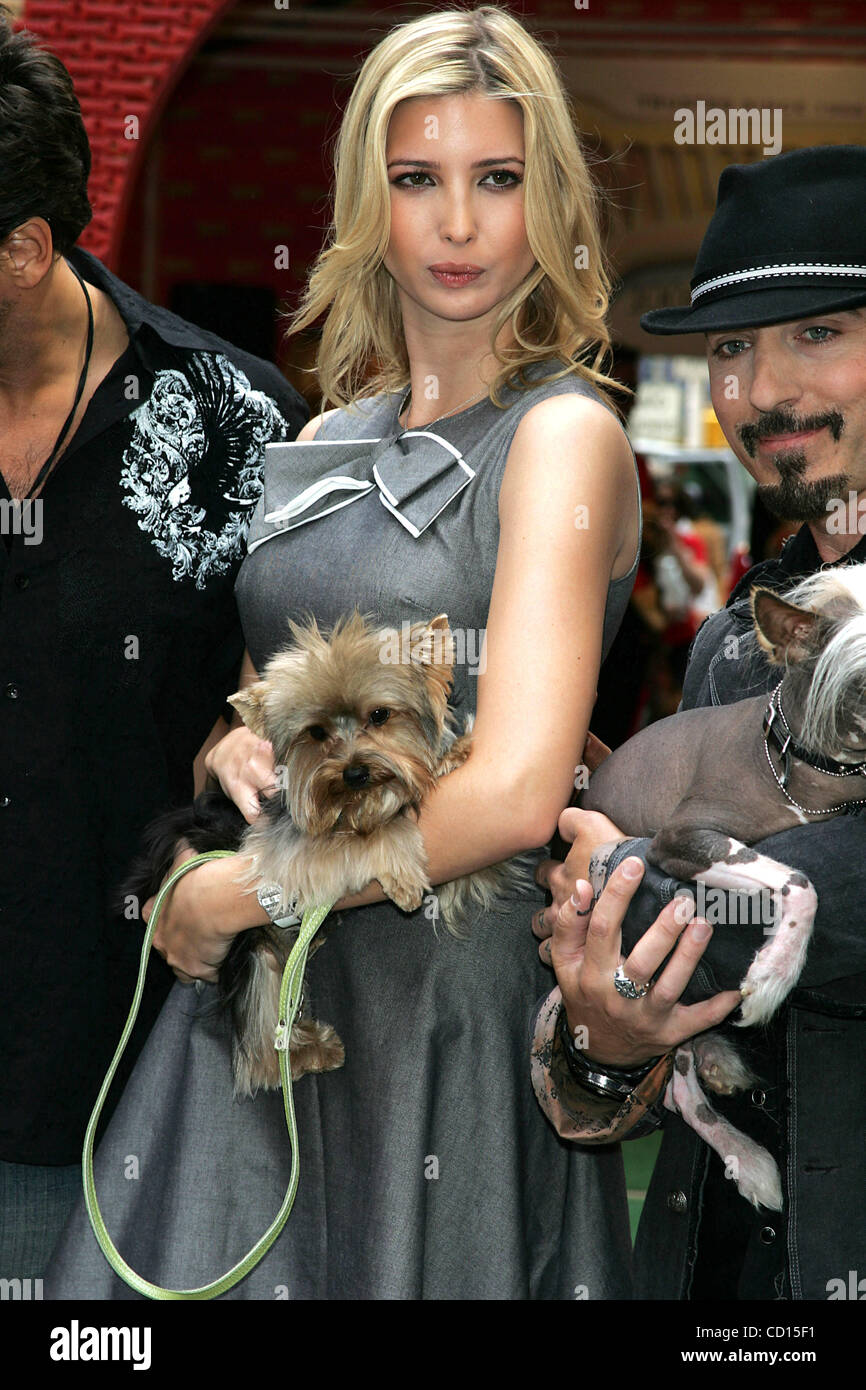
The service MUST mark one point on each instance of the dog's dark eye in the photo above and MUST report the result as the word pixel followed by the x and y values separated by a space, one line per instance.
pixel 379 715
pixel 318 733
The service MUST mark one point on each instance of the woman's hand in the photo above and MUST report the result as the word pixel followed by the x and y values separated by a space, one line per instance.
pixel 201 917
pixel 584 949
pixel 243 764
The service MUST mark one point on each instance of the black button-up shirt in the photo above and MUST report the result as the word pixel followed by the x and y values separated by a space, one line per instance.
pixel 119 643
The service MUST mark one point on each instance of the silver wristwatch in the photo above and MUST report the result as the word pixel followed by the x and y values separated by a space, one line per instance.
pixel 270 897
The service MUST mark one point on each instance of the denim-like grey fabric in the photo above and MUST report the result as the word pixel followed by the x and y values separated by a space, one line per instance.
pixel 427 1169
pixel 35 1201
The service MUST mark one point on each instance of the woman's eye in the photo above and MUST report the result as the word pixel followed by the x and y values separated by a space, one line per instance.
pixel 317 732
pixel 401 181
pixel 379 715
pixel 513 179
pixel 418 178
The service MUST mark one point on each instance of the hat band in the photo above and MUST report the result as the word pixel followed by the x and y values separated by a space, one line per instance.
pixel 766 272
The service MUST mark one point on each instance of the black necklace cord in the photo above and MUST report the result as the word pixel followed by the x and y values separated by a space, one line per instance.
pixel 64 429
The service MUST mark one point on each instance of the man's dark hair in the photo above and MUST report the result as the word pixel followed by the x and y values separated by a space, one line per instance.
pixel 44 150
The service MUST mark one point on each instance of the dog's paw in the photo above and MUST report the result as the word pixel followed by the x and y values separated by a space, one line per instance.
pixel 314 1047
pixel 456 755
pixel 254 1074
pixel 763 992
pixel 407 896
pixel 408 901
pixel 759 1181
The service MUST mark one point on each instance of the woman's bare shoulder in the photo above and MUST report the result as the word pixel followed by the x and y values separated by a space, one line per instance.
pixel 576 431
pixel 312 427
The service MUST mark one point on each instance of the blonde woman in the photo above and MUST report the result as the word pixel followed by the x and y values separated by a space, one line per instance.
pixel 464 268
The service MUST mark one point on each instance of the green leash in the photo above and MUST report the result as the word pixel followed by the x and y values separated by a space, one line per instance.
pixel 290 994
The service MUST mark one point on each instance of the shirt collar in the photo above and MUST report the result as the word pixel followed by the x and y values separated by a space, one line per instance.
pixel 137 312
pixel 800 554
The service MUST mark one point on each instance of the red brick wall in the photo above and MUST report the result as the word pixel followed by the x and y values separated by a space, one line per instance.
pixel 124 59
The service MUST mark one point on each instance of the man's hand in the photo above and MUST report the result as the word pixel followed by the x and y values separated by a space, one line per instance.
pixel 587 830
pixel 584 949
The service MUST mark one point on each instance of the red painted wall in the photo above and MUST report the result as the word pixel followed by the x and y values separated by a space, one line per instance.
pixel 239 170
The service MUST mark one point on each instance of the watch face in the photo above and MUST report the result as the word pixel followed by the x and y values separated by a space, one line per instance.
pixel 271 898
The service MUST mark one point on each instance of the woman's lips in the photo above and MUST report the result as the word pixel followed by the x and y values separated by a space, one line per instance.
pixel 455 278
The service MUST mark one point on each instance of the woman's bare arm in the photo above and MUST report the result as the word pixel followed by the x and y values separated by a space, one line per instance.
pixel 562 534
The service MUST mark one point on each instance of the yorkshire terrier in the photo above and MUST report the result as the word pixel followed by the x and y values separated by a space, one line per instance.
pixel 361 730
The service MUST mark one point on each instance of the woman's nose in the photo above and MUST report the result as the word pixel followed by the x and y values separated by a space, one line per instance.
pixel 458 220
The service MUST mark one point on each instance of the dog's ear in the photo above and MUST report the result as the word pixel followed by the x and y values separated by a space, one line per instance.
pixel 250 705
pixel 784 631
pixel 431 645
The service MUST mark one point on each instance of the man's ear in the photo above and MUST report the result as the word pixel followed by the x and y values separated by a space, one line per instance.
pixel 27 253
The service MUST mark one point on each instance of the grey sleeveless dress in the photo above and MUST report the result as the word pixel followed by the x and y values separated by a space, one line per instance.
pixel 427 1169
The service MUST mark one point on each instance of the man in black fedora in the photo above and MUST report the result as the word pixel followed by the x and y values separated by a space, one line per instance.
pixel 779 292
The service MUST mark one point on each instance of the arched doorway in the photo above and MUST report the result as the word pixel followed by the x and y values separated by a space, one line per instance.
pixel 125 61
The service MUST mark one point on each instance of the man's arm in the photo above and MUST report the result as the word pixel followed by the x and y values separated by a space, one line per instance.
pixel 830 853
pixel 610 1031
pixel 574 1111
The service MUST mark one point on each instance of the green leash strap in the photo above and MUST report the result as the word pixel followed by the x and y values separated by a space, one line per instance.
pixel 290 993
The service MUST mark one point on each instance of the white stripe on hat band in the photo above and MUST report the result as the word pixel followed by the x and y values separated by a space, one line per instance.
pixel 766 271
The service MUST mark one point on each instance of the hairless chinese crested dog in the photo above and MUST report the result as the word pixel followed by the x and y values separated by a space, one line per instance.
pixel 708 783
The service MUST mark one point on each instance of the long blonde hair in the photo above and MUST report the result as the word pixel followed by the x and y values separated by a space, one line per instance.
pixel 558 310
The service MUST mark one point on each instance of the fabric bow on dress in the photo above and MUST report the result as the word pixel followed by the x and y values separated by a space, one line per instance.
pixel 417 475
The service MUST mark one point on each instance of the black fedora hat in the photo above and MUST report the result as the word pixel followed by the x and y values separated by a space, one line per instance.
pixel 787 238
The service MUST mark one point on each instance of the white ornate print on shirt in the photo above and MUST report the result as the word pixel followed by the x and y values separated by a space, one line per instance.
pixel 193 468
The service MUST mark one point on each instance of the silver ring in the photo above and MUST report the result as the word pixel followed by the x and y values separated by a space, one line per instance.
pixel 626 987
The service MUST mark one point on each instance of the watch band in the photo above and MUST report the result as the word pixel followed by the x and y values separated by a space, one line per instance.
pixel 614 1083
pixel 270 898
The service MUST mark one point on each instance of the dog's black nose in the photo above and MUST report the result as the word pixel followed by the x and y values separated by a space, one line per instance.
pixel 356 776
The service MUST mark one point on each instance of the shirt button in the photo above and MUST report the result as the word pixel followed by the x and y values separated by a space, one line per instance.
pixel 768 1235
pixel 677 1201
pixel 758 1096
pixel 11 692
pixel 22 581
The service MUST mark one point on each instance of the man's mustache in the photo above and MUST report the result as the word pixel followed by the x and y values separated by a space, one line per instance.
pixel 782 422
